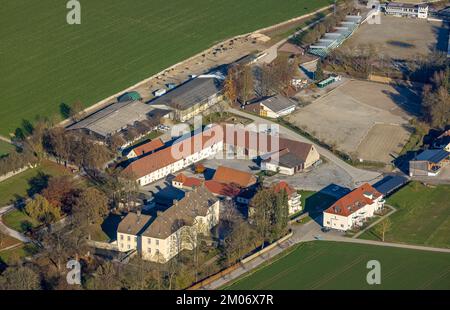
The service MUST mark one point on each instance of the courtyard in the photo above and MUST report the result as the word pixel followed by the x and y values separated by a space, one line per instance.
pixel 366 120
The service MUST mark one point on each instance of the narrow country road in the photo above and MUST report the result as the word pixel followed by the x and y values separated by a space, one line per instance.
pixel 359 176
pixel 305 233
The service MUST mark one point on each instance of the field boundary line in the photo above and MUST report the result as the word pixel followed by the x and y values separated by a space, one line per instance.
pixel 105 102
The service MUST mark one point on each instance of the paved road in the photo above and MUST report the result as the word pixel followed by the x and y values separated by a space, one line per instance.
pixel 359 176
pixel 8 231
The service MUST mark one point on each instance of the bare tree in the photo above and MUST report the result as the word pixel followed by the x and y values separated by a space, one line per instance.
pixel 230 86
pixel 383 227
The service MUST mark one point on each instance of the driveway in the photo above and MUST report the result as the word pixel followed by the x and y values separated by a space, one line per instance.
pixel 358 176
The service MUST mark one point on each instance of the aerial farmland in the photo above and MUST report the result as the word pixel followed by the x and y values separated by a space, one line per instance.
pixel 118 44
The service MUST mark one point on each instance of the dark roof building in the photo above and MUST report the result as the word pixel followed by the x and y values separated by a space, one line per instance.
pixel 433 156
pixel 134 223
pixel 428 163
pixel 182 213
pixel 116 117
pixel 197 91
pixel 390 183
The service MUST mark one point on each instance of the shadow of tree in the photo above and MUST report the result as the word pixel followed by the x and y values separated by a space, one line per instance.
pixel 37 183
pixel 64 110
pixel 27 126
pixel 26 226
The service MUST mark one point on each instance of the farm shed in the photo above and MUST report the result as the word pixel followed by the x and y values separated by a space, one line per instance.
pixel 428 163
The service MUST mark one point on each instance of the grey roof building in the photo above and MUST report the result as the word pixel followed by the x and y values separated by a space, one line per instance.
pixel 188 97
pixel 182 213
pixel 117 116
pixel 428 163
pixel 278 104
pixel 134 223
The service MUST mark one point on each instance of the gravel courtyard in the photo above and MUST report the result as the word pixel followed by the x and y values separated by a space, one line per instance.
pixel 400 38
pixel 355 116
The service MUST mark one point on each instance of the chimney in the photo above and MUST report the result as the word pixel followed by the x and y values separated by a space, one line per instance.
pixel 138 212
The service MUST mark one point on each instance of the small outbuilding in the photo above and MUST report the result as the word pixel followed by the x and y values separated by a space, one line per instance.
pixel 428 163
pixel 129 96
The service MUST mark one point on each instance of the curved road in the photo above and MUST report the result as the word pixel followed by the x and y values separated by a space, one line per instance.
pixel 8 231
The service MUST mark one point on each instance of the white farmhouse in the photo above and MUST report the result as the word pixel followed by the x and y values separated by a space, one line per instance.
pixel 353 209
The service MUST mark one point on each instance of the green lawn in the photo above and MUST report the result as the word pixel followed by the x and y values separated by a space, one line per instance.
pixel 19 185
pixel 5 148
pixel 333 265
pixel 7 241
pixel 422 217
pixel 19 220
pixel 12 255
pixel 118 44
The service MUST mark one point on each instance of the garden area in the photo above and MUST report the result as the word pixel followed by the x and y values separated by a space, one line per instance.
pixel 422 217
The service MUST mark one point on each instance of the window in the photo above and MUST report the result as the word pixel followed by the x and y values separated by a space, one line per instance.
pixel 128 247
pixel 149 250
pixel 128 238
pixel 149 241
pixel 342 225
pixel 328 222
pixel 157 242
pixel 121 237
pixel 135 239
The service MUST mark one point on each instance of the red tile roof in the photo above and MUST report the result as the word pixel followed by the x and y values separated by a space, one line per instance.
pixel 188 181
pixel 284 186
pixel 180 178
pixel 233 176
pixel 177 151
pixel 264 143
pixel 354 200
pixel 148 147
pixel 222 189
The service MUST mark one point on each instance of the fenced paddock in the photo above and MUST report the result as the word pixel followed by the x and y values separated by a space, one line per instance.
pixel 363 119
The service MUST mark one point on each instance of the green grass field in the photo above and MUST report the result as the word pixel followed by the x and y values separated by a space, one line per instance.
pixel 5 148
pixel 118 43
pixel 19 220
pixel 332 265
pixel 422 217
pixel 19 185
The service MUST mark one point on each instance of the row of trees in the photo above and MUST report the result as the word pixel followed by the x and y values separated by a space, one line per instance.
pixel 312 35
pixel 75 148
pixel 271 213
pixel 239 86
pixel 436 99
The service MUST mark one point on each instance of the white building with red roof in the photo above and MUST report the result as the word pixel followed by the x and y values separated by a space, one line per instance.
pixel 178 156
pixel 353 209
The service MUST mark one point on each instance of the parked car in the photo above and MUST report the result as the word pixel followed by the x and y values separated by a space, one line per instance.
pixel 325 229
